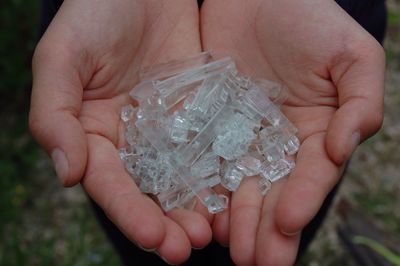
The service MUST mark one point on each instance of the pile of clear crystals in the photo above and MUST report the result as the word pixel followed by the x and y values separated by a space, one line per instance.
pixel 199 123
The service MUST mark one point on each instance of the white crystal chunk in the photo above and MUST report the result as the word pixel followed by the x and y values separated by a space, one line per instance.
pixel 277 169
pixel 216 203
pixel 231 176
pixel 264 186
pixel 199 124
pixel 127 113
pixel 248 165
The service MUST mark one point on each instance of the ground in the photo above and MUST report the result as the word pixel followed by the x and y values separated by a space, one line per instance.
pixel 42 223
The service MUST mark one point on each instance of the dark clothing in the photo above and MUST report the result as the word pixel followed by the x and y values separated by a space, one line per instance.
pixel 371 14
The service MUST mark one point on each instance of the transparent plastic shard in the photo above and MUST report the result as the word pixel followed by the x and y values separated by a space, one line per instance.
pixel 195 75
pixel 277 119
pixel 231 176
pixel 276 92
pixel 142 91
pixel 206 165
pixel 126 152
pixel 188 154
pixel 172 68
pixel 199 124
pixel 189 180
pixel 131 163
pixel 155 133
pixel 235 137
pixel 128 113
pixel 170 97
pixel 272 151
pixel 216 203
pixel 292 145
pixel 277 169
pixel 204 98
pixel 255 103
pixel 179 128
pixel 233 144
pixel 248 165
pixel 264 185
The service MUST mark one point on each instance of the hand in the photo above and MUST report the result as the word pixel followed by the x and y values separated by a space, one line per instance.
pixel 83 69
pixel 335 74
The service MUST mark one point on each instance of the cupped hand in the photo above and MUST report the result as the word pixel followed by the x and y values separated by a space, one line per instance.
pixel 335 74
pixel 83 69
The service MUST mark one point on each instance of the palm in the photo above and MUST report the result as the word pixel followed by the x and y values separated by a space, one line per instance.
pixel 107 46
pixel 294 43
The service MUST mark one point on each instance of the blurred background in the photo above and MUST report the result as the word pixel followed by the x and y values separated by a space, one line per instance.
pixel 42 223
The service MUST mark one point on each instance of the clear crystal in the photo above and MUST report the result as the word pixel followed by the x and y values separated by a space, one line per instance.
pixel 154 131
pixel 206 165
pixel 233 144
pixel 143 91
pixel 231 176
pixel 248 165
pixel 264 186
pixel 277 169
pixel 172 68
pixel 187 154
pixel 216 203
pixel 271 151
pixel 277 93
pixel 179 128
pixel 126 152
pixel 127 113
pixel 192 114
pixel 292 145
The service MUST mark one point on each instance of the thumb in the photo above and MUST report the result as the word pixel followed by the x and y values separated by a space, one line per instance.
pixel 55 105
pixel 359 78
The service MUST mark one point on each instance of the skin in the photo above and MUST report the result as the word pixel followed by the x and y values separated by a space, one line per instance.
pixel 334 71
pixel 86 64
pixel 83 69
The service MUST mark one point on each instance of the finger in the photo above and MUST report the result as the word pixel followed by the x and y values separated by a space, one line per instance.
pixel 220 225
pixel 194 224
pixel 55 104
pixel 273 247
pixel 107 183
pixel 245 215
pixel 175 248
pixel 307 187
pixel 359 77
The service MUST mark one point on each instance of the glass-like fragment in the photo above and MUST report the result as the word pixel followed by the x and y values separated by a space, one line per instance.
pixel 200 123
pixel 127 113
pixel 231 176
pixel 264 186
pixel 277 169
pixel 248 165
pixel 172 68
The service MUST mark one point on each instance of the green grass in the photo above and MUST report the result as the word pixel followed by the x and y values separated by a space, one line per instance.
pixel 393 17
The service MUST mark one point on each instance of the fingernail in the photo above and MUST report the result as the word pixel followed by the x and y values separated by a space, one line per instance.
pixel 60 163
pixel 290 234
pixel 146 249
pixel 161 257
